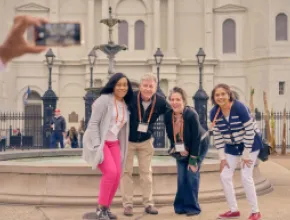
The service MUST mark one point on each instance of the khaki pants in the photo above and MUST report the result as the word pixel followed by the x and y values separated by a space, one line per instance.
pixel 144 152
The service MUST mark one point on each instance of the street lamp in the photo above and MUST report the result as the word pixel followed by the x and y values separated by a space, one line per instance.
pixel 201 98
pixel 159 127
pixel 90 95
pixel 49 101
pixel 200 60
pixel 158 60
pixel 92 56
pixel 49 60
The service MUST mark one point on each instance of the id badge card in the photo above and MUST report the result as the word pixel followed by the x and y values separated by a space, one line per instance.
pixel 179 147
pixel 115 130
pixel 143 127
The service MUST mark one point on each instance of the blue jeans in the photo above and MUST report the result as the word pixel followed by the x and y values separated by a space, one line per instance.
pixel 55 137
pixel 186 199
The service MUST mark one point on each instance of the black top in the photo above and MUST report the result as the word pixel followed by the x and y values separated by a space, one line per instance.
pixel 59 123
pixel 161 107
pixel 191 130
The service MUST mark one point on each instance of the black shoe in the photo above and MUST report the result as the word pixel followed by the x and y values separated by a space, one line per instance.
pixel 102 214
pixel 151 210
pixel 110 214
pixel 192 213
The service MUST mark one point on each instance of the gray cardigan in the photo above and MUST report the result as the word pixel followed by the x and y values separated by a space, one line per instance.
pixel 97 129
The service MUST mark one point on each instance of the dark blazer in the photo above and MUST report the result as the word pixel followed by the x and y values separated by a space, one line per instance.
pixel 161 107
pixel 191 130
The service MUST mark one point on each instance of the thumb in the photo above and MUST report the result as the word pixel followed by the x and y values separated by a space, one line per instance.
pixel 34 49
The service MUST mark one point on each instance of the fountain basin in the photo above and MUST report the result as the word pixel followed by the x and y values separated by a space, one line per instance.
pixel 60 177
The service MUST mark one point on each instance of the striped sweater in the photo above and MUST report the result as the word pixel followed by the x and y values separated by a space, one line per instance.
pixel 235 135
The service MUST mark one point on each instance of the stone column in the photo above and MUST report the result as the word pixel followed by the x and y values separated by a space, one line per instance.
pixel 209 34
pixel 105 14
pixel 156 25
pixel 171 28
pixel 91 25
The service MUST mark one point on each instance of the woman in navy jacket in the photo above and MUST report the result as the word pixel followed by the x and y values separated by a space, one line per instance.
pixel 184 132
pixel 236 140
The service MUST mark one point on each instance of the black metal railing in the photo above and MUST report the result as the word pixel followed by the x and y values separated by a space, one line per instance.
pixel 20 130
pixel 278 118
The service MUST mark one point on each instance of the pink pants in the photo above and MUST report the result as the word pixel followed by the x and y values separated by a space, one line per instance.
pixel 111 170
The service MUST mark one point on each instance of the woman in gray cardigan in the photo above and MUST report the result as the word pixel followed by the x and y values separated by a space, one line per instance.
pixel 106 139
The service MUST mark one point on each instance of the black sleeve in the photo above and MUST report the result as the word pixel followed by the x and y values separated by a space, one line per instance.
pixel 169 129
pixel 165 107
pixel 63 125
pixel 195 134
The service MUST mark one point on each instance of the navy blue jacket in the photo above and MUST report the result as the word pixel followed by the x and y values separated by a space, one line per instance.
pixel 237 133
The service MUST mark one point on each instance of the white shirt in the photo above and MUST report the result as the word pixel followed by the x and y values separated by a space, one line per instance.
pixel 146 104
pixel 115 127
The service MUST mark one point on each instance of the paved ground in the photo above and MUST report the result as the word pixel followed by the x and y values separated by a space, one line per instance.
pixel 274 206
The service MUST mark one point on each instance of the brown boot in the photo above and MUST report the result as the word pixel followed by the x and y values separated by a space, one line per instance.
pixel 128 211
pixel 151 210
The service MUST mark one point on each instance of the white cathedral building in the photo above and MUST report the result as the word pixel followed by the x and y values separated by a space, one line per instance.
pixel 246 44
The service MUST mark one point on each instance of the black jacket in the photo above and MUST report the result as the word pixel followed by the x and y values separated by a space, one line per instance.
pixel 161 107
pixel 192 130
pixel 59 123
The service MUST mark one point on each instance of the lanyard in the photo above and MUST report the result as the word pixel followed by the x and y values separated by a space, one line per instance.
pixel 139 108
pixel 181 128
pixel 123 108
pixel 215 119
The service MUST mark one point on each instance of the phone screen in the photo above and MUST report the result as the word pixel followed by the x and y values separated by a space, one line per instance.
pixel 58 34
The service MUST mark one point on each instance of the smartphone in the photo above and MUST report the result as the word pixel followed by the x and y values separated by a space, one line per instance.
pixel 58 34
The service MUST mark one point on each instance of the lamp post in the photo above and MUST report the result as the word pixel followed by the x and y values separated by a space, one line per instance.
pixel 158 60
pixel 92 57
pixel 49 101
pixel 49 60
pixel 200 97
pixel 90 95
pixel 159 127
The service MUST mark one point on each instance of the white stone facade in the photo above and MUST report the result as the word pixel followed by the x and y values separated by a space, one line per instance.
pixel 179 27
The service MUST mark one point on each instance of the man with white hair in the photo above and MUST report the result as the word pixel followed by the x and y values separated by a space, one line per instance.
pixel 145 109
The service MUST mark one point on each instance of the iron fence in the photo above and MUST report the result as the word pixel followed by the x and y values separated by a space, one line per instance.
pixel 278 118
pixel 20 130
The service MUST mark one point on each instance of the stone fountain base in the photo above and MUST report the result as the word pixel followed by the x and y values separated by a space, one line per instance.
pixel 74 183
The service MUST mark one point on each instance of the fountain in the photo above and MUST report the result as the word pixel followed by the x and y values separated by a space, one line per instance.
pixel 60 177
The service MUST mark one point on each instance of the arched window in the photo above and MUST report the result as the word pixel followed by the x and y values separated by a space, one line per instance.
pixel 139 35
pixel 123 33
pixel 281 27
pixel 229 36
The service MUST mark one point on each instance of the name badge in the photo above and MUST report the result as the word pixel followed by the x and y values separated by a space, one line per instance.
pixel 143 127
pixel 115 130
pixel 179 147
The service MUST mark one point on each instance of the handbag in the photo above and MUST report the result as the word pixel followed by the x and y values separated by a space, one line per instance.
pixel 265 150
